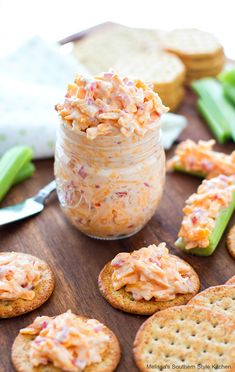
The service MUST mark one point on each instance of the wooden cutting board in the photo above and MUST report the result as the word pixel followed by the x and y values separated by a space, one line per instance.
pixel 77 260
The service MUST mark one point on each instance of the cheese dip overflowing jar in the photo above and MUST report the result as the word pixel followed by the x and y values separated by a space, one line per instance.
pixel 109 161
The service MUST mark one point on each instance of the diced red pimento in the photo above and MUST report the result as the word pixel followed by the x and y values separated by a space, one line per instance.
pixel 98 328
pixel 207 165
pixel 121 194
pixel 44 325
pixel 191 161
pixel 74 361
pixel 194 219
pixel 153 260
pixel 90 101
pixel 146 184
pixel 82 173
pixel 108 74
pixel 38 341
pixel 93 86
pixel 118 263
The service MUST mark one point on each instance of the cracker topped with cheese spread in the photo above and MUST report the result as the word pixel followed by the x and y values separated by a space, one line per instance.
pixel 26 282
pixel 148 280
pixel 66 342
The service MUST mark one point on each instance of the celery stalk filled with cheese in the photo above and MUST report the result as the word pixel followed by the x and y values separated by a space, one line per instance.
pixel 206 215
pixel 200 159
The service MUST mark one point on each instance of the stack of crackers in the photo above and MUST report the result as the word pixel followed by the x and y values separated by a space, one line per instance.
pixel 191 337
pixel 201 53
pixel 137 53
pixel 165 71
pixel 165 59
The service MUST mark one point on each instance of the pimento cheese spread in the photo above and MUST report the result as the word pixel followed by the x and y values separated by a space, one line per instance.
pixel 200 157
pixel 202 209
pixel 109 160
pixel 151 273
pixel 19 275
pixel 109 104
pixel 68 341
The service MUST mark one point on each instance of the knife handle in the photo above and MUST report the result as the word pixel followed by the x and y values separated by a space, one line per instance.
pixel 43 194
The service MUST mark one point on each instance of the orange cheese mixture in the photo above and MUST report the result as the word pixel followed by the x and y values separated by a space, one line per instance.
pixel 202 208
pixel 18 276
pixel 109 161
pixel 109 104
pixel 200 157
pixel 68 341
pixel 151 273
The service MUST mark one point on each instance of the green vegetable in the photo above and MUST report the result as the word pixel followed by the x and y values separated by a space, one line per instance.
pixel 25 172
pixel 10 165
pixel 229 92
pixel 228 77
pixel 219 132
pixel 179 168
pixel 212 94
pixel 220 225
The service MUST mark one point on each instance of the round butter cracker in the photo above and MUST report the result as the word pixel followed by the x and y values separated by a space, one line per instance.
pixel 173 100
pixel 220 298
pixel 43 290
pixel 200 75
pixel 192 43
pixel 204 73
pixel 21 361
pixel 124 301
pixel 163 70
pixel 185 335
pixel 205 63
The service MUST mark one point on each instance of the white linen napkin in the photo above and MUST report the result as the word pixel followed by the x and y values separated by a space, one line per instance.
pixel 32 80
pixel 172 126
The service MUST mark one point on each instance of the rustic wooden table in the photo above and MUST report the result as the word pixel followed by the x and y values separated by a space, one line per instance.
pixel 77 260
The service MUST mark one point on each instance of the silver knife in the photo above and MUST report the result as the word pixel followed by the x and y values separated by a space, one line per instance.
pixel 28 207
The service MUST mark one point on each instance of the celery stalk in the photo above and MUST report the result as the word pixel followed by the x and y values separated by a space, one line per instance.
pixel 229 92
pixel 10 164
pixel 228 77
pixel 25 172
pixel 212 94
pixel 220 225
pixel 210 91
pixel 219 132
pixel 179 168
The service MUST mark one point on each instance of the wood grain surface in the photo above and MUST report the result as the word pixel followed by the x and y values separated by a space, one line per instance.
pixel 77 260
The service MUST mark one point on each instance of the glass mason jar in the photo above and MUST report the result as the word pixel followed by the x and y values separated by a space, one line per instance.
pixel 109 187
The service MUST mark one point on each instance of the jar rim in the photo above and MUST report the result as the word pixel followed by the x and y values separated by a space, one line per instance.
pixel 117 139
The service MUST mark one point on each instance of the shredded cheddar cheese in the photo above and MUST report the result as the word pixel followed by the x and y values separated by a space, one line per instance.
pixel 151 273
pixel 68 341
pixel 109 163
pixel 108 104
pixel 18 276
pixel 202 208
pixel 200 157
